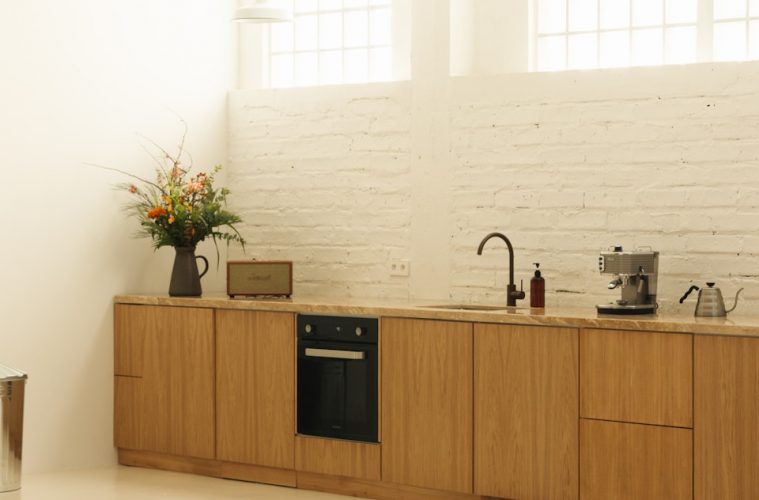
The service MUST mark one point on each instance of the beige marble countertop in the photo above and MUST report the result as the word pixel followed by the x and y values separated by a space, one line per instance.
pixel 737 325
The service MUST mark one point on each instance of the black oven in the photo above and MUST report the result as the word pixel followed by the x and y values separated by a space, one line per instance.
pixel 337 377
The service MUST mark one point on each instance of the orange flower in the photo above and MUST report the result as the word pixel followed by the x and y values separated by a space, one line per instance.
pixel 171 220
pixel 156 212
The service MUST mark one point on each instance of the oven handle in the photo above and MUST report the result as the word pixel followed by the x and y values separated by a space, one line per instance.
pixel 334 354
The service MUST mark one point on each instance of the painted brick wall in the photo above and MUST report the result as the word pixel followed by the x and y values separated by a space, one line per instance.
pixel 565 164
pixel 321 177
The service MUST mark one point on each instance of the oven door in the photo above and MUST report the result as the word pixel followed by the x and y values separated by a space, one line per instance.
pixel 337 390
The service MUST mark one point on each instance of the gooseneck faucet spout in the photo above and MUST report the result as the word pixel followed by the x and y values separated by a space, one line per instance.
pixel 511 290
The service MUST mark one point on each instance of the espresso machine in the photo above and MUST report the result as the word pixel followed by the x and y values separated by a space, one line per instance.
pixel 635 276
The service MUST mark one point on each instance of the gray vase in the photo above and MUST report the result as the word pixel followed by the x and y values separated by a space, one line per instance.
pixel 185 280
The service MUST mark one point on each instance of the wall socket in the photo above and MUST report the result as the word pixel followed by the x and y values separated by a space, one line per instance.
pixel 398 267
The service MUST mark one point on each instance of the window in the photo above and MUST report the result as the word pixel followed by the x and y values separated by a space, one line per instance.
pixel 579 34
pixel 736 30
pixel 330 42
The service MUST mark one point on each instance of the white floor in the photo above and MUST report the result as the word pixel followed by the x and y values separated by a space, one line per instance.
pixel 131 483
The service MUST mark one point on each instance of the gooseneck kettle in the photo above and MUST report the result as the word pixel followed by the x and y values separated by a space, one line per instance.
pixel 710 303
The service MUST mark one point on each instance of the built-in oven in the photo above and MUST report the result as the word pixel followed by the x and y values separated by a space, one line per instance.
pixel 337 377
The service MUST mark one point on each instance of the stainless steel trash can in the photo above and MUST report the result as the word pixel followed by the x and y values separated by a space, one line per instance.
pixel 12 383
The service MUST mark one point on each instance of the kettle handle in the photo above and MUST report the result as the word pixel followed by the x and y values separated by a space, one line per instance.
pixel 694 287
pixel 736 301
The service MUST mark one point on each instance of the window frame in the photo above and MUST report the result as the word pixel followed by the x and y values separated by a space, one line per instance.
pixel 267 54
pixel 704 25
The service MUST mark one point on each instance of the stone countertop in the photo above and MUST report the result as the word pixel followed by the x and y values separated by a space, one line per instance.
pixel 735 325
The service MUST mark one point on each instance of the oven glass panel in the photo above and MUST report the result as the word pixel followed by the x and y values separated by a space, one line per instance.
pixel 337 397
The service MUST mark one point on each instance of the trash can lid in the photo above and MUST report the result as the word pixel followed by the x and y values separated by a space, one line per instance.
pixel 8 373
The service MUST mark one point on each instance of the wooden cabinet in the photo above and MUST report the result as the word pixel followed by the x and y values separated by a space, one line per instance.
pixel 641 377
pixel 628 378
pixel 526 412
pixel 726 418
pixel 466 410
pixel 164 384
pixel 337 457
pixel 426 387
pixel 633 462
pixel 255 387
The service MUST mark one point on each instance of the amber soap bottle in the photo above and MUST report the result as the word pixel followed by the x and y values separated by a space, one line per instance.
pixel 537 288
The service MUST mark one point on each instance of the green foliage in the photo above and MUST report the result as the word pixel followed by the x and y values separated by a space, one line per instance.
pixel 180 209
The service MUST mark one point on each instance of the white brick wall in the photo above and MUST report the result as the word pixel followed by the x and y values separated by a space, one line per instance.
pixel 565 164
pixel 320 177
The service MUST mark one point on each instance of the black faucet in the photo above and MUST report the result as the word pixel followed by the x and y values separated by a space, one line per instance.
pixel 512 295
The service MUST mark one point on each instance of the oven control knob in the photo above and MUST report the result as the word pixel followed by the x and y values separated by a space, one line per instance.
pixel 360 331
pixel 309 329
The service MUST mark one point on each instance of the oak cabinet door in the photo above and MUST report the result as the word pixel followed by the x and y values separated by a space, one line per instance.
pixel 164 384
pixel 526 412
pixel 426 387
pixel 255 387
pixel 624 461
pixel 726 427
pixel 637 377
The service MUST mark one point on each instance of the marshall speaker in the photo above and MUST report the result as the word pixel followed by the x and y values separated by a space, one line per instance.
pixel 250 278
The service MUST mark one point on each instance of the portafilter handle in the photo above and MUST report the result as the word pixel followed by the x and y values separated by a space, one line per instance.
pixel 694 287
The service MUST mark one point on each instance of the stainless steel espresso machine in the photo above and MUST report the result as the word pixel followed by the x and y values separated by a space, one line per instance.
pixel 635 275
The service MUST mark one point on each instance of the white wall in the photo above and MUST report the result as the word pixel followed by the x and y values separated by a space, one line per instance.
pixel 80 79
pixel 344 179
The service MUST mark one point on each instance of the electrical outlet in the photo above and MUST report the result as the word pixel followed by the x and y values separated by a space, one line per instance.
pixel 398 267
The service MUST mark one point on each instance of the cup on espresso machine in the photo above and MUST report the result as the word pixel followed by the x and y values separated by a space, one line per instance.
pixel 634 275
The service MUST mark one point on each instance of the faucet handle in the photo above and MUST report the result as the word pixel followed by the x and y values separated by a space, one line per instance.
pixel 520 294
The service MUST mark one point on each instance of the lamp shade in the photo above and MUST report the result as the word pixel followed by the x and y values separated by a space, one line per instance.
pixel 262 12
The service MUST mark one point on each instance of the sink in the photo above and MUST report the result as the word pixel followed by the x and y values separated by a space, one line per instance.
pixel 469 307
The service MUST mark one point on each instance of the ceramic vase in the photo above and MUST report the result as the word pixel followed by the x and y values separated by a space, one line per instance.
pixel 185 279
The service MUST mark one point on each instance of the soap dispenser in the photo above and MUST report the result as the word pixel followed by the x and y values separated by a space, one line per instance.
pixel 537 288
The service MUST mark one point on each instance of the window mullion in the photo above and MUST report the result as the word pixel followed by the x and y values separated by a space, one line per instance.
pixel 748 28
pixel 664 32
pixel 369 42
pixel 342 49
pixel 705 30
pixel 630 34
pixel 533 66
pixel 268 55
pixel 566 35
pixel 598 33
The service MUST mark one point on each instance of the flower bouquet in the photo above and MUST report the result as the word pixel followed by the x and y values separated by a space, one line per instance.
pixel 180 209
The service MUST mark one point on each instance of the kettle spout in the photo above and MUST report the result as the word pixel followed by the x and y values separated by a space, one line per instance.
pixel 736 301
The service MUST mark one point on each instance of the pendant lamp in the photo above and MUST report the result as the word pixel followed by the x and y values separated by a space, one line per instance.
pixel 262 12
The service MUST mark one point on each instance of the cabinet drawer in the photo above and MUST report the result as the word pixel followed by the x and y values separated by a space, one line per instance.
pixel 639 377
pixel 633 462
pixel 337 457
